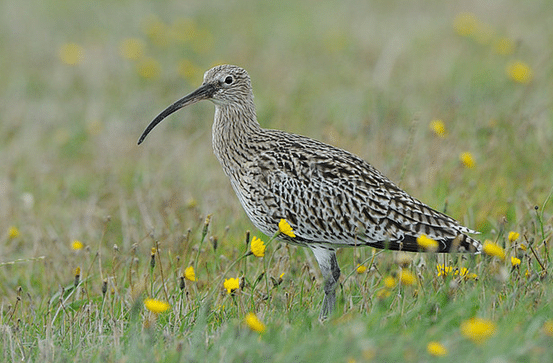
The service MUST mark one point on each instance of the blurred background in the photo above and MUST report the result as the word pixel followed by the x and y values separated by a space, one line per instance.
pixel 452 101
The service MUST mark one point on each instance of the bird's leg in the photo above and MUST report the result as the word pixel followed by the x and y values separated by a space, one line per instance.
pixel 326 257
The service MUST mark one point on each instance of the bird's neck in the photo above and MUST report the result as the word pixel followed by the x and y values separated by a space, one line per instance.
pixel 233 128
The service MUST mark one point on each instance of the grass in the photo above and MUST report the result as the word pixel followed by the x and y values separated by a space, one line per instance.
pixel 365 76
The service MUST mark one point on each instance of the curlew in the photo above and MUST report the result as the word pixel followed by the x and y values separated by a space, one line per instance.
pixel 329 196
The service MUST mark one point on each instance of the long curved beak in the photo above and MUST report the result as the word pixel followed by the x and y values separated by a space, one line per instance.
pixel 204 92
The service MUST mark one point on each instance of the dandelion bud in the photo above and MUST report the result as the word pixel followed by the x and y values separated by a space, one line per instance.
pixel 206 224
pixel 214 242
pixel 104 286
pixel 77 276
pixel 181 285
pixel 153 258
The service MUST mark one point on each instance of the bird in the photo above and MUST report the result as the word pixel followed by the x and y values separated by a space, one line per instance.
pixel 330 197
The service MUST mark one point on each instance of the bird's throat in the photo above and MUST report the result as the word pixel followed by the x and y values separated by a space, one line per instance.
pixel 232 132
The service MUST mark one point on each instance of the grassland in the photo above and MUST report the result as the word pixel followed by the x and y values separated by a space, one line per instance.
pixel 79 82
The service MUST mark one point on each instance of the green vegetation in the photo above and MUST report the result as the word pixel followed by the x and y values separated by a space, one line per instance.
pixel 80 80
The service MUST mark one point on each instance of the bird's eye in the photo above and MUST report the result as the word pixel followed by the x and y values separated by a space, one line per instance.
pixel 229 80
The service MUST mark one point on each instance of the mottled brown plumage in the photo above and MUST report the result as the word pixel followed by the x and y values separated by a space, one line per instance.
pixel 330 197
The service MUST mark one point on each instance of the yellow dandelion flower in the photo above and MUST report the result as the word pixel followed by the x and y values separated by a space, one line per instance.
pixel 406 278
pixel 281 275
pixel 471 276
pixel 148 68
pixel 360 269
pixel 389 282
pixel 427 244
pixel 383 294
pixel 523 247
pixel 515 261
pixel 156 306
pixel 284 227
pixel 438 127
pixel 189 273
pixel 513 236
pixel 258 247
pixel 493 249
pixel 188 70
pixel 254 323
pixel 478 330
pixel 436 349
pixel 548 328
pixel 184 30
pixel 504 46
pixel 157 31
pixel 153 251
pixel 464 272
pixel 444 270
pixel 71 54
pixel 78 271
pixel 191 203
pixel 131 48
pixel 465 24
pixel 467 159
pixel 231 284
pixel 519 72
pixel 13 232
pixel 77 245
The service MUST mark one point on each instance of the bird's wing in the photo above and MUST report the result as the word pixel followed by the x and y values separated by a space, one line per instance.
pixel 329 195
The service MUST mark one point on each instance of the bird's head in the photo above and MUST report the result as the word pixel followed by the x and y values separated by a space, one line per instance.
pixel 223 85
